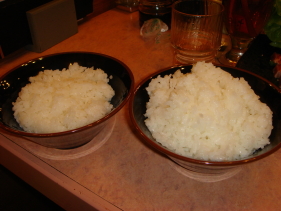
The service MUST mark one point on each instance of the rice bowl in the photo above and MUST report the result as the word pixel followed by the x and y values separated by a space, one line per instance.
pixel 268 93
pixel 207 114
pixel 121 80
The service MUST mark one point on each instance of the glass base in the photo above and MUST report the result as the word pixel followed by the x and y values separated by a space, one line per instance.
pixel 226 46
pixel 227 62
pixel 232 49
pixel 127 8
pixel 68 154
pixel 180 60
pixel 184 57
pixel 204 177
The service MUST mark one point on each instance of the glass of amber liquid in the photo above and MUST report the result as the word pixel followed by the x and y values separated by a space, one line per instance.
pixel 196 30
pixel 244 20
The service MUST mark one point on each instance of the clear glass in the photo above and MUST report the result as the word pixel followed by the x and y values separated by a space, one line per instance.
pixel 127 5
pixel 196 30
pixel 244 20
pixel 161 9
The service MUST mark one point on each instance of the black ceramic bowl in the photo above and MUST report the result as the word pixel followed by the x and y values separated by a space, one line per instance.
pixel 268 92
pixel 122 82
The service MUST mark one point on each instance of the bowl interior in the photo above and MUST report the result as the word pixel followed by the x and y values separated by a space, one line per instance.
pixel 121 81
pixel 269 94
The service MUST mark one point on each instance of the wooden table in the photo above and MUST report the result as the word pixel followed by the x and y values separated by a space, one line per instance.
pixel 124 173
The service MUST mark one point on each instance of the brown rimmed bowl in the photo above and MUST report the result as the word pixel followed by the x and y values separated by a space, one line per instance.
pixel 122 81
pixel 200 169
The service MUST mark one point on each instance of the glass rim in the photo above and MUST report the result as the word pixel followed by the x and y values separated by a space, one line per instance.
pixel 174 10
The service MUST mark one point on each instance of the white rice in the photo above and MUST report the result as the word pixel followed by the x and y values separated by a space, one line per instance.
pixel 207 114
pixel 57 101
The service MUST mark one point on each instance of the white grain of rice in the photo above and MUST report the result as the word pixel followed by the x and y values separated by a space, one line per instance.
pixel 57 101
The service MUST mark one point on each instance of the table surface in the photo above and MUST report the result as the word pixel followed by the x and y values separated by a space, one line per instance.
pixel 123 173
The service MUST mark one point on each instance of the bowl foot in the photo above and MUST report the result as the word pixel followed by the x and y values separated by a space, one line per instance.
pixel 204 177
pixel 68 154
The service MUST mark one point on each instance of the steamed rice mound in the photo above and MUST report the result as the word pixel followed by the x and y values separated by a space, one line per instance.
pixel 207 114
pixel 57 101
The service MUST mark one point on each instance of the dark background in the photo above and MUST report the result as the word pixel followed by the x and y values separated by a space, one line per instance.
pixel 14 29
pixel 16 195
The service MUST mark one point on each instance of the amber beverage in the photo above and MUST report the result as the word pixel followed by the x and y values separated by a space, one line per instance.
pixel 196 30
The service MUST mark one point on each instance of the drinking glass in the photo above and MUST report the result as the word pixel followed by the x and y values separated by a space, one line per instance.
pixel 196 30
pixel 244 20
pixel 150 9
pixel 127 5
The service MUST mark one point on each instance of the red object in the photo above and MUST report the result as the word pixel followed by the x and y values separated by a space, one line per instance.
pixel 276 58
pixel 277 70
